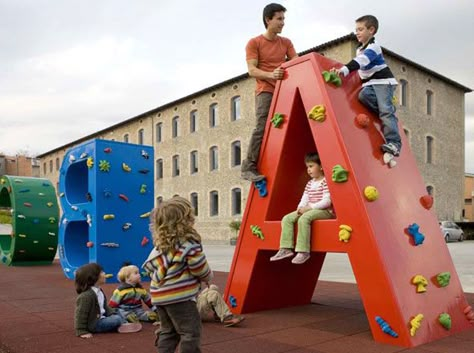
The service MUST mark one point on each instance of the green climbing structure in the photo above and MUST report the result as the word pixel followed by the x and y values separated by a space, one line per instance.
pixel 33 239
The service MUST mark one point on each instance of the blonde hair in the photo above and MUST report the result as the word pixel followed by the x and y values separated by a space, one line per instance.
pixel 172 224
pixel 125 272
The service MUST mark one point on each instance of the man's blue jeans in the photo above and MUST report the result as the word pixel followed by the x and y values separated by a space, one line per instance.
pixel 379 99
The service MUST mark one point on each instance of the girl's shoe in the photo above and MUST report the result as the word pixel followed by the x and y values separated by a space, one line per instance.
pixel 300 258
pixel 282 254
pixel 130 327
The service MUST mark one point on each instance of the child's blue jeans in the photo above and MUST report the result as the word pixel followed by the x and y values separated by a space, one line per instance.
pixel 109 323
pixel 379 99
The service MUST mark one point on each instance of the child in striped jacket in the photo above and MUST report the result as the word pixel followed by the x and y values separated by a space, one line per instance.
pixel 177 266
pixel 315 204
pixel 130 295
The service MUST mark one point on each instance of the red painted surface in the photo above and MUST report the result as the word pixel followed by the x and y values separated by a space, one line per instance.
pixel 383 256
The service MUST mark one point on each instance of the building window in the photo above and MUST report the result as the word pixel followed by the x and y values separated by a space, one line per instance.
pixel 429 102
pixel 57 163
pixel 193 116
pixel 140 136
pixel 44 168
pixel 213 115
pixel 429 190
pixel 236 201
pixel 159 169
pixel 175 127
pixel 235 108
pixel 158 132
pixel 159 200
pixel 51 166
pixel 213 158
pixel 429 149
pixel 403 93
pixel 213 203
pixel 125 138
pixel 193 159
pixel 235 151
pixel 175 171
pixel 194 202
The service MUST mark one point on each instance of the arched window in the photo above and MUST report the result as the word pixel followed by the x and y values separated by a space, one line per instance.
pixel 403 93
pixel 125 138
pixel 213 158
pixel 429 149
pixel 193 121
pixel 158 132
pixel 236 201
pixel 235 108
pixel 213 203
pixel 159 169
pixel 213 115
pixel 141 133
pixel 430 190
pixel 175 171
pixel 175 127
pixel 194 202
pixel 193 161
pixel 235 154
pixel 429 102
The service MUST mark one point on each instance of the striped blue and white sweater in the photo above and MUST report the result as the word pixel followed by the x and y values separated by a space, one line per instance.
pixel 371 64
pixel 176 275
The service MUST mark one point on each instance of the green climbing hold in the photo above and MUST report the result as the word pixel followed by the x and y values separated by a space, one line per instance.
pixel 332 77
pixel 257 231
pixel 445 320
pixel 339 174
pixel 443 278
pixel 277 119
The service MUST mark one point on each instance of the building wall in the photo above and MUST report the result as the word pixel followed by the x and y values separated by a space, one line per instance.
pixel 445 125
pixel 468 196
pixel 19 165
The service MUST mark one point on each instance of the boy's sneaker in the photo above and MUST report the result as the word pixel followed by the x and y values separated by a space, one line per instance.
pixel 130 327
pixel 132 317
pixel 282 254
pixel 233 320
pixel 300 258
pixel 252 176
pixel 390 148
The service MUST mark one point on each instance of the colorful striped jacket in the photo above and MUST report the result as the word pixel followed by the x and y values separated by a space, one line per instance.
pixel 129 297
pixel 176 275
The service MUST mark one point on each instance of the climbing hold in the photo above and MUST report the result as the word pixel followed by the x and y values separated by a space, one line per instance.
pixel 104 166
pixel 89 197
pixel 21 216
pixel 90 244
pixel 145 154
pixel 143 189
pixel 110 245
pixel 362 120
pixel 107 193
pixel 415 324
pixel 344 233
pixel 420 282
pixel 443 279
pixel 126 168
pixel 90 162
pixel 261 186
pixel 72 158
pixel 257 231
pixel 332 77
pixel 51 248
pixel 445 320
pixel 426 201
pixel 469 314
pixel 107 150
pixel 74 208
pixel 145 215
pixel 371 193
pixel 49 204
pixel 108 217
pixel 385 327
pixel 27 204
pixel 52 234
pixel 24 190
pixel 232 301
pixel 317 113
pixel 41 194
pixel 36 221
pixel 108 275
pixel 277 119
pixel 22 235
pixel 413 230
pixel 145 241
pixel 35 241
pixel 123 197
pixel 89 220
pixel 83 155
pixel 339 174
pixel 126 226
pixel 52 220
pixel 144 171
pixel 61 194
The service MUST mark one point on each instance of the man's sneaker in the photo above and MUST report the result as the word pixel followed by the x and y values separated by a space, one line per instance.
pixel 390 148
pixel 130 327
pixel 300 258
pixel 282 254
pixel 252 176
pixel 233 320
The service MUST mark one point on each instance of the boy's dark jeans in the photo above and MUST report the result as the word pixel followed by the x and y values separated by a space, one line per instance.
pixel 262 106
pixel 180 324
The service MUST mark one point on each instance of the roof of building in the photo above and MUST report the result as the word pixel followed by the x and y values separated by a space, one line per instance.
pixel 238 78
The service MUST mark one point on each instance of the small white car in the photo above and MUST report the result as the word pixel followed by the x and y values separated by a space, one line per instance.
pixel 451 231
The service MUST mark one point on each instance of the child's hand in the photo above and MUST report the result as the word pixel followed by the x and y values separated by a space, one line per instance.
pixel 335 70
pixel 303 210
pixel 278 73
pixel 86 335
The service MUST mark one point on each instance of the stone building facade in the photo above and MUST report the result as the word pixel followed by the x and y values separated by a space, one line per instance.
pixel 19 165
pixel 200 140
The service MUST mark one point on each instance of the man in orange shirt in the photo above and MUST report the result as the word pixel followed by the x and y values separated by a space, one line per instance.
pixel 265 54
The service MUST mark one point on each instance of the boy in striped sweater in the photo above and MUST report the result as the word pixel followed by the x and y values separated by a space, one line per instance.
pixel 130 294
pixel 177 266
pixel 378 82
pixel 315 204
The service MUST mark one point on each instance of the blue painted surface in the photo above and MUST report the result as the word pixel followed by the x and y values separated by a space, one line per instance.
pixel 89 194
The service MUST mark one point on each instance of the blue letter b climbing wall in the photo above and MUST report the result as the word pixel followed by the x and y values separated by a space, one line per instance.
pixel 106 193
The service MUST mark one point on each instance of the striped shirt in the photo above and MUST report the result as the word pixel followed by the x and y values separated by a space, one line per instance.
pixel 176 275
pixel 371 64
pixel 316 195
pixel 129 297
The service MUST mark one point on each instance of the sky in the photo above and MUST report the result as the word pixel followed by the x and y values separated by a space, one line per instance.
pixel 72 67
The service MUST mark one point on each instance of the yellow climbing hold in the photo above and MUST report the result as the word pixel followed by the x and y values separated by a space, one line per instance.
pixel 371 193
pixel 344 233
pixel 109 216
pixel 415 324
pixel 317 113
